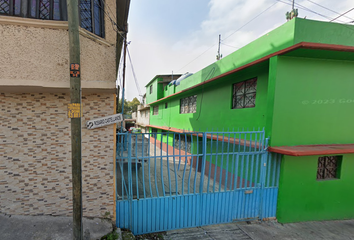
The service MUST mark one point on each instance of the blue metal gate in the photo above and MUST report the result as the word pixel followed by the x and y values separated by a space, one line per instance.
pixel 173 180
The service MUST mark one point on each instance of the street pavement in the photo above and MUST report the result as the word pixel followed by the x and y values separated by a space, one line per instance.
pixel 60 228
pixel 331 230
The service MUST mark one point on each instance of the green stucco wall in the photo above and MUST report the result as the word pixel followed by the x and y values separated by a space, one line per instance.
pixel 303 198
pixel 313 102
pixel 157 90
pixel 273 41
pixel 214 106
pixel 323 32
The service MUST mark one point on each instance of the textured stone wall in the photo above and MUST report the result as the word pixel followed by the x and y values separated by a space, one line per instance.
pixel 35 155
pixel 39 55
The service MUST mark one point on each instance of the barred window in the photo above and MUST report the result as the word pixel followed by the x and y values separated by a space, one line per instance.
pixel 91 12
pixel 155 110
pixel 40 9
pixel 328 167
pixel 244 94
pixel 150 89
pixel 92 16
pixel 188 104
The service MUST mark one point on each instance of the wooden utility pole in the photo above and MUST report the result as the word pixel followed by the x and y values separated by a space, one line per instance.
pixel 74 112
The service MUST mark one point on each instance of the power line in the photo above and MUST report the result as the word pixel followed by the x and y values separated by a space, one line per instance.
pixel 135 79
pixel 304 8
pixel 327 8
pixel 342 14
pixel 251 20
pixel 229 45
pixel 229 35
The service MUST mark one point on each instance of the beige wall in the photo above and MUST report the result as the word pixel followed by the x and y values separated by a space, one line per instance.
pixel 35 142
pixel 35 155
pixel 143 117
pixel 36 53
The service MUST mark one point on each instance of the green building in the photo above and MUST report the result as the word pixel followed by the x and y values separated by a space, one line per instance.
pixel 297 82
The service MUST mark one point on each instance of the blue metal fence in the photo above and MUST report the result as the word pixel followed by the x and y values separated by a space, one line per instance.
pixel 172 180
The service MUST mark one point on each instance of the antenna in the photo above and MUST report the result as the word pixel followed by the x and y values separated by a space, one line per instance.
pixel 294 12
pixel 219 56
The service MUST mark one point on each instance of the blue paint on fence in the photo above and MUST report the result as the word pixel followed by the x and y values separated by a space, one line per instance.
pixel 199 178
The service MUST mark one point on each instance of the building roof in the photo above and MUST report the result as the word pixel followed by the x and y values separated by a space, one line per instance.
pixel 295 50
pixel 308 37
pixel 162 76
pixel 308 150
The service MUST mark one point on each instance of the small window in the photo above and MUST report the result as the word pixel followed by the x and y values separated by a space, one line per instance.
pixel 166 105
pixel 328 167
pixel 150 89
pixel 188 104
pixel 244 94
pixel 155 110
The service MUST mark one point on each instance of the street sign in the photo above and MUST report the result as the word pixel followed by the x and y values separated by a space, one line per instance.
pixel 100 122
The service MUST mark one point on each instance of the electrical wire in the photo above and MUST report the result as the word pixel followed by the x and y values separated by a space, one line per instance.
pixel 342 14
pixel 251 20
pixel 229 45
pixel 115 26
pixel 135 79
pixel 229 35
pixel 299 6
pixel 328 9
pixel 196 57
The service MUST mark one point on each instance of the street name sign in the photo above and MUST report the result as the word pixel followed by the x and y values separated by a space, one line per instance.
pixel 101 122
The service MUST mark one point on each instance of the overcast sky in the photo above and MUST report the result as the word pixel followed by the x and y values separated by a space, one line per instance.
pixel 182 35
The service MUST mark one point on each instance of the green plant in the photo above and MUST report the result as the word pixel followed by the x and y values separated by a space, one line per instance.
pixel 110 236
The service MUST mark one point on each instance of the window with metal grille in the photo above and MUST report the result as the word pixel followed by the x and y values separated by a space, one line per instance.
pixel 155 110
pixel 244 94
pixel 328 167
pixel 40 9
pixel 92 16
pixel 188 104
pixel 91 12
pixel 150 89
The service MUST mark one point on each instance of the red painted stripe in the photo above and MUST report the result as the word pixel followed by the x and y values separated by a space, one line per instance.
pixel 309 150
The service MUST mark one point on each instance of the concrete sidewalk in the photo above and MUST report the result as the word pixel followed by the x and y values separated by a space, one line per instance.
pixel 60 228
pixel 49 227
pixel 331 230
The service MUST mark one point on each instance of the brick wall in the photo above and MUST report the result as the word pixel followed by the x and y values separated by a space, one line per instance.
pixel 35 155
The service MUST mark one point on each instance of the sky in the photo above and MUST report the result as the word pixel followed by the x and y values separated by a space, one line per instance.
pixel 183 35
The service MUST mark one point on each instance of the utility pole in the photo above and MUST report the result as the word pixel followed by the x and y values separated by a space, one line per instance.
pixel 124 66
pixel 219 56
pixel 74 112
pixel 122 10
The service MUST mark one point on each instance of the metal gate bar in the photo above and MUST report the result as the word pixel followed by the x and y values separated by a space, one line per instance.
pixel 175 180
